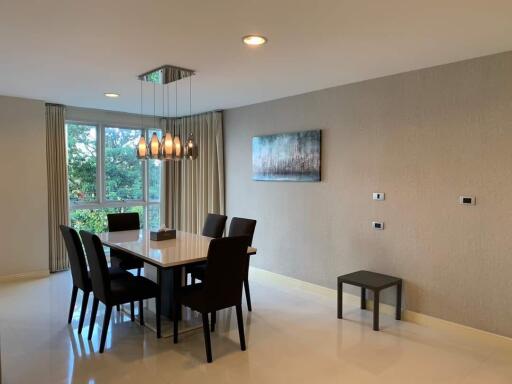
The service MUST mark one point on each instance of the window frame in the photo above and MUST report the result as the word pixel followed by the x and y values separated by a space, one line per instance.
pixel 101 198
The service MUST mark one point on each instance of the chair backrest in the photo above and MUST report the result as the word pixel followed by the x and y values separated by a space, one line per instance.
pixel 100 277
pixel 242 227
pixel 76 257
pixel 214 225
pixel 225 271
pixel 123 221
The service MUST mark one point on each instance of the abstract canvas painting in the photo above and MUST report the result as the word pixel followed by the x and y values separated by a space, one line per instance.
pixel 287 156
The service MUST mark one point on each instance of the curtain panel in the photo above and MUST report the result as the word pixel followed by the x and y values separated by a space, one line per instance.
pixel 57 185
pixel 195 188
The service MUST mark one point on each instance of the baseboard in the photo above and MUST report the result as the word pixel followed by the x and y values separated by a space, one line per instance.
pixel 25 275
pixel 407 315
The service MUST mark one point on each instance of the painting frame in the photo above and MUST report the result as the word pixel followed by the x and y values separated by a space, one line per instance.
pixel 288 156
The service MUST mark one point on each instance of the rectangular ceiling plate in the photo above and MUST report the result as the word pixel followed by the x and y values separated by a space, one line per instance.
pixel 166 74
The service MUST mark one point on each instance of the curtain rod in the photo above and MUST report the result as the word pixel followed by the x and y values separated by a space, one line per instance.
pixel 197 114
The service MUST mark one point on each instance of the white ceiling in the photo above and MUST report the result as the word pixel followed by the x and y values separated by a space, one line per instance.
pixel 72 51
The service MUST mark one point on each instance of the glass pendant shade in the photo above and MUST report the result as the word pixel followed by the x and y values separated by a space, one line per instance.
pixel 167 146
pixel 154 146
pixel 191 148
pixel 178 150
pixel 142 148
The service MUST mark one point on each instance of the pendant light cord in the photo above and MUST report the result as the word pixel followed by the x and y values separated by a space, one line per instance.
pixel 176 109
pixel 141 122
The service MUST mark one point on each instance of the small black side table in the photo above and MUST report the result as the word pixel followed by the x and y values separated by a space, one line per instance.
pixel 375 282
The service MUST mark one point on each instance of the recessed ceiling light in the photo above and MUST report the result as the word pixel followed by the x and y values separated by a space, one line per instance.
pixel 254 40
pixel 112 95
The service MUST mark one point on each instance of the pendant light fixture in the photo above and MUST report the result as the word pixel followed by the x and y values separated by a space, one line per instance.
pixel 169 148
pixel 190 150
pixel 178 152
pixel 142 147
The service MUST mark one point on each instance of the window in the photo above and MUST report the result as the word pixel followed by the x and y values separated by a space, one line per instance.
pixel 82 150
pixel 105 176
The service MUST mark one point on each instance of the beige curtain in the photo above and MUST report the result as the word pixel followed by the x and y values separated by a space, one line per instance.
pixel 195 188
pixel 57 185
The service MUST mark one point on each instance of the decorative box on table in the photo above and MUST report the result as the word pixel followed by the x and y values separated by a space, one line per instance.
pixel 162 234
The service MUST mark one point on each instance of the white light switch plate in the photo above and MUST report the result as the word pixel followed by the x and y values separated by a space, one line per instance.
pixel 379 225
pixel 378 196
pixel 467 200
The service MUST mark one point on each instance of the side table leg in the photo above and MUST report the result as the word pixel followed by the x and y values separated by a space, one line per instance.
pixel 399 301
pixel 363 298
pixel 376 310
pixel 340 300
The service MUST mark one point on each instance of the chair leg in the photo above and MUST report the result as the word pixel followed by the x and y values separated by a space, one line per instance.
pixel 141 312
pixel 207 341
pixel 106 321
pixel 214 320
pixel 158 323
pixel 85 299
pixel 72 304
pixel 247 294
pixel 132 311
pixel 138 271
pixel 176 319
pixel 95 303
pixel 240 320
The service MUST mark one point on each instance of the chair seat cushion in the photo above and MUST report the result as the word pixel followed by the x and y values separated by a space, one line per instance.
pixel 132 289
pixel 193 296
pixel 115 273
pixel 124 260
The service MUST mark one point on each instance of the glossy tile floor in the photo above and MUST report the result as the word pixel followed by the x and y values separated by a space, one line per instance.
pixel 293 337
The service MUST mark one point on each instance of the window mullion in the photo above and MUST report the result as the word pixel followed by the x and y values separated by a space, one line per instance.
pixel 101 164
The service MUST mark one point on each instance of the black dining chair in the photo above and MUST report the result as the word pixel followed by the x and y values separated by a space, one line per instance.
pixel 213 226
pixel 124 222
pixel 115 292
pixel 80 274
pixel 244 227
pixel 238 227
pixel 225 270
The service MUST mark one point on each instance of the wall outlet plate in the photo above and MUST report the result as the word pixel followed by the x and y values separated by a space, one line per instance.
pixel 467 200
pixel 378 196
pixel 379 225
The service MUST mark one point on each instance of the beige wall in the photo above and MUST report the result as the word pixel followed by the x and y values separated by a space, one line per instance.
pixel 23 189
pixel 423 138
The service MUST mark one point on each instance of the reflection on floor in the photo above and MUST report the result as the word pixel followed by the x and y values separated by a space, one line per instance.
pixel 293 336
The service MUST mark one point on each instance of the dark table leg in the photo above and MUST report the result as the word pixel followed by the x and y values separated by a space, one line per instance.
pixel 175 289
pixel 363 298
pixel 340 300
pixel 399 301
pixel 376 310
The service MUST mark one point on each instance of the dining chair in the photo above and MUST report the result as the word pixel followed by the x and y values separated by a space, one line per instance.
pixel 124 222
pixel 213 226
pixel 115 292
pixel 238 227
pixel 80 274
pixel 225 270
pixel 244 227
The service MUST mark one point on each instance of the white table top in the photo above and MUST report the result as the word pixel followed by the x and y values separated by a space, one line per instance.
pixel 187 248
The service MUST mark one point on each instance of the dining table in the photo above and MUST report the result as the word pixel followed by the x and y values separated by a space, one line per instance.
pixel 164 260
